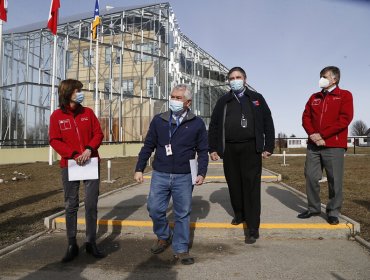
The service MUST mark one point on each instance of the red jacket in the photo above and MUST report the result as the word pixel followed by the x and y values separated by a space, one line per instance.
pixel 70 133
pixel 329 115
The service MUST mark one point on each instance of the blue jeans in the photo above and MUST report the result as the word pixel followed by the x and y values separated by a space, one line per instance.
pixel 162 187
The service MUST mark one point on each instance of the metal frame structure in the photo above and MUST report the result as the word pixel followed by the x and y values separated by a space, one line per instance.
pixel 142 54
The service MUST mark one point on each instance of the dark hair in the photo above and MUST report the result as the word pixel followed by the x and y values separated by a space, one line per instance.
pixel 237 68
pixel 335 72
pixel 65 91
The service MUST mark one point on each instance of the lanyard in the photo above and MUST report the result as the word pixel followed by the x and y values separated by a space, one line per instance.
pixel 241 106
pixel 170 132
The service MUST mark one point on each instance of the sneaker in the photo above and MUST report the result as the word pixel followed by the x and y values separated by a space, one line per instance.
pixel 160 245
pixel 185 258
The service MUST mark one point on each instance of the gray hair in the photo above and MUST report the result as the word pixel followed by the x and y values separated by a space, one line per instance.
pixel 188 94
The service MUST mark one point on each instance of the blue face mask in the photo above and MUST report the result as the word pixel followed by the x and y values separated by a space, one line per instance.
pixel 79 97
pixel 176 106
pixel 237 85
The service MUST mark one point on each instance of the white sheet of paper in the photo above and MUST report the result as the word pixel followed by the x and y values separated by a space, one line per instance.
pixel 193 170
pixel 88 171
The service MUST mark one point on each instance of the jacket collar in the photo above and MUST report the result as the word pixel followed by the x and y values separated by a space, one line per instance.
pixel 247 92
pixel 166 116
pixel 335 91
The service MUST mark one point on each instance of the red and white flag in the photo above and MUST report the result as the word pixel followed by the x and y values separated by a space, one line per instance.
pixel 53 16
pixel 3 9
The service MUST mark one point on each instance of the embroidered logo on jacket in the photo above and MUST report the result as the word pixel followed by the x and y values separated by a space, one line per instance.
pixel 316 101
pixel 84 119
pixel 256 103
pixel 64 124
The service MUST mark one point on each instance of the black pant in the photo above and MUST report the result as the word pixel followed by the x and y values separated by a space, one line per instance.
pixel 243 168
pixel 71 202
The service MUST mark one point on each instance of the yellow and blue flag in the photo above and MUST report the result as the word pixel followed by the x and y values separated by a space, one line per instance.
pixel 96 21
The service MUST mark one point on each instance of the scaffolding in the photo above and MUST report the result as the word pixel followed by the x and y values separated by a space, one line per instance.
pixel 140 54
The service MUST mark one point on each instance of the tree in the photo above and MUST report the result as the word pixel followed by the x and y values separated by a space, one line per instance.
pixel 292 136
pixel 282 141
pixel 359 128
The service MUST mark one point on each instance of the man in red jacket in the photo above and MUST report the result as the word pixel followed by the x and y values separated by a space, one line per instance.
pixel 326 118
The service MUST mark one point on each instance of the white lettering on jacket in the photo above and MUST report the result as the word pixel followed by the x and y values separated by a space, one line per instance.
pixel 65 124
pixel 316 101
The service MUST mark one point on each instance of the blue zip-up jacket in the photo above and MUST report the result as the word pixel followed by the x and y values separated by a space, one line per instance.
pixel 190 138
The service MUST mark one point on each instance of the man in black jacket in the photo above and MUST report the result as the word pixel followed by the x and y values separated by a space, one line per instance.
pixel 241 132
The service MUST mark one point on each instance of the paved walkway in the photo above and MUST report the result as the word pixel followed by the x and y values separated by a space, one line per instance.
pixel 289 248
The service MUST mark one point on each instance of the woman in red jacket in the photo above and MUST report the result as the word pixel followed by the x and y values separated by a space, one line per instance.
pixel 75 133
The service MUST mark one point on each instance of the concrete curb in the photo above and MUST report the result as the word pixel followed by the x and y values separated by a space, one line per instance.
pixel 14 246
pixel 50 224
pixel 278 176
pixel 362 241
pixel 49 221
pixel 354 229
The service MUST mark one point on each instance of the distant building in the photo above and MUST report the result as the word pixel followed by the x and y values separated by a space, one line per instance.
pixel 297 143
pixel 360 141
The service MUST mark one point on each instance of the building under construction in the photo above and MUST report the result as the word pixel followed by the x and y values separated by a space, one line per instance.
pixel 127 72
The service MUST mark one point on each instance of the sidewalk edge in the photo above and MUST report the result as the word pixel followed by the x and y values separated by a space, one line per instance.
pixel 49 221
pixel 362 241
pixel 14 246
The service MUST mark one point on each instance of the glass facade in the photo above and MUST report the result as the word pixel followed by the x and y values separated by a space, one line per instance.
pixel 127 73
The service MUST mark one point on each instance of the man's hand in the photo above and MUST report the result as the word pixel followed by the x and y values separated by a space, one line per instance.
pixel 266 154
pixel 315 137
pixel 214 156
pixel 199 180
pixel 138 177
pixel 320 143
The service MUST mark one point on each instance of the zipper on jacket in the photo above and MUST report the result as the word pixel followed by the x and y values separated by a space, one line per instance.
pixel 223 128
pixel 78 135
pixel 323 109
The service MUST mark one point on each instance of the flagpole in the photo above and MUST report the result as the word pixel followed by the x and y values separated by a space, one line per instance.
pixel 1 81
pixel 52 102
pixel 97 76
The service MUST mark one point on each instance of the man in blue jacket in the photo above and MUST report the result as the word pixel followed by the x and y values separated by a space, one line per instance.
pixel 176 136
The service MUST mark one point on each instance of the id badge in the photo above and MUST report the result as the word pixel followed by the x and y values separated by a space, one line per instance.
pixel 243 122
pixel 168 150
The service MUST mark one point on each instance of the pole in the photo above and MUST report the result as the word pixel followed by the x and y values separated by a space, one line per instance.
pixel 1 81
pixel 52 102
pixel 97 113
pixel 109 169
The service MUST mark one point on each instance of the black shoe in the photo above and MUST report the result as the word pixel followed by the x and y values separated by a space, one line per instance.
pixel 236 221
pixel 185 258
pixel 252 236
pixel 93 250
pixel 307 214
pixel 333 220
pixel 72 252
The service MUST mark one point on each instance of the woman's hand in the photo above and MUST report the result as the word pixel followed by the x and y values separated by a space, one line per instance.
pixel 85 156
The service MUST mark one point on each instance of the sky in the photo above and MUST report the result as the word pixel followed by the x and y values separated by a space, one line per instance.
pixel 281 44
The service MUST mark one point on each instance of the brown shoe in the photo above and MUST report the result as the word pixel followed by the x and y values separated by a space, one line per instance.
pixel 160 245
pixel 185 258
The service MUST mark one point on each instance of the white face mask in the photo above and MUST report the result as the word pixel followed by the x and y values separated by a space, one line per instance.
pixel 176 106
pixel 237 85
pixel 323 82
